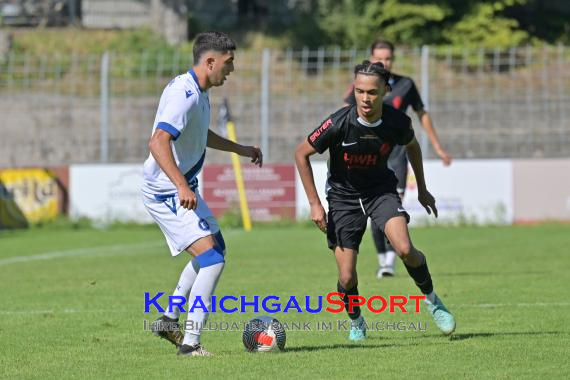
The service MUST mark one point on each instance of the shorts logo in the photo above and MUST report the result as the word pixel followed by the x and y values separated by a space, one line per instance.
pixel 400 209
pixel 172 205
pixel 203 225
pixel 320 130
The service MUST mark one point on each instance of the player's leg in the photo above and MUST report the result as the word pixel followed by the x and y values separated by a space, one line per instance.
pixel 344 233
pixel 396 229
pixel 169 218
pixel 208 252
pixel 398 163
pixel 348 285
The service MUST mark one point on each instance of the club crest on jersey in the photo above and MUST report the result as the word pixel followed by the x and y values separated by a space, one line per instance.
pixel 203 225
pixel 320 130
pixel 385 149
pixel 397 102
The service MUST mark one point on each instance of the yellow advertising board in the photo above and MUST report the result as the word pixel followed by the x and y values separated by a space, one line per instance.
pixel 27 196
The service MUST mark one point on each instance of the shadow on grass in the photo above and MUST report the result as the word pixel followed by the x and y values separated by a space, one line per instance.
pixel 455 337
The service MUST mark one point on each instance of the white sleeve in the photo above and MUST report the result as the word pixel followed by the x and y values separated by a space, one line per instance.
pixel 174 117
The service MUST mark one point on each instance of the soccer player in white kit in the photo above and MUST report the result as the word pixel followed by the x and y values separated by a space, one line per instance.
pixel 178 144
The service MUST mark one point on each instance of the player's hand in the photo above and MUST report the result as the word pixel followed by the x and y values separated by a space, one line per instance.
pixel 428 201
pixel 319 216
pixel 255 154
pixel 445 157
pixel 187 198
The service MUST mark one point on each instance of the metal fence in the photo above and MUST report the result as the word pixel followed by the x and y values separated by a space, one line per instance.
pixel 511 103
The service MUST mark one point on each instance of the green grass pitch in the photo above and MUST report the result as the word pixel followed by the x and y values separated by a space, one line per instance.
pixel 72 306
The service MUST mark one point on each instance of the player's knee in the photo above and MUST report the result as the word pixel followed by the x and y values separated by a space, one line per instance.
pixel 403 248
pixel 210 257
pixel 347 280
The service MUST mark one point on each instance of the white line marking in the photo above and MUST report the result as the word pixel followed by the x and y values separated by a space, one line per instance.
pixel 83 252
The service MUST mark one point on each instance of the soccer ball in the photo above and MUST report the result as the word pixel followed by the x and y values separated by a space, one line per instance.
pixel 263 334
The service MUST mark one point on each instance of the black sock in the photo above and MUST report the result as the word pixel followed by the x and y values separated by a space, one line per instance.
pixel 421 277
pixel 351 292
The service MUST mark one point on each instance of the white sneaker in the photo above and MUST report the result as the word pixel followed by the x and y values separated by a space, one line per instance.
pixel 385 272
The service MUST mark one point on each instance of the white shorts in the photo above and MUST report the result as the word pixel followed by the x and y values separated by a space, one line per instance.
pixel 181 227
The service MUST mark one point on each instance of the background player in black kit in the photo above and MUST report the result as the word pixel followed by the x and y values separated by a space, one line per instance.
pixel 403 94
pixel 360 139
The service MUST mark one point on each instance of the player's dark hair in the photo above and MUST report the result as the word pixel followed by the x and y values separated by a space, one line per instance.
pixel 372 68
pixel 382 44
pixel 207 41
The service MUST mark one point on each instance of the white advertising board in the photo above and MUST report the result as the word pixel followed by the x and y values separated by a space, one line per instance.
pixel 470 191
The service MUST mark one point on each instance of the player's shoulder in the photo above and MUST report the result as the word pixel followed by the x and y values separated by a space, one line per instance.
pixel 395 115
pixel 402 79
pixel 183 89
pixel 340 115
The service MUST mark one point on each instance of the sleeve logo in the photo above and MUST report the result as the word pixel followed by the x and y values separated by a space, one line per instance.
pixel 320 130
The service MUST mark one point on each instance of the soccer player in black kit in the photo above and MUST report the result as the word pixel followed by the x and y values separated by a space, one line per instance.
pixel 360 139
pixel 403 94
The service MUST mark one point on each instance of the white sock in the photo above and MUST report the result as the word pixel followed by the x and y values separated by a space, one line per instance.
pixel 187 278
pixel 382 259
pixel 430 298
pixel 204 287
pixel 390 258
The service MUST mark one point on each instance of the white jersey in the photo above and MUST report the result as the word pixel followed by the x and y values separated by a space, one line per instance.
pixel 184 112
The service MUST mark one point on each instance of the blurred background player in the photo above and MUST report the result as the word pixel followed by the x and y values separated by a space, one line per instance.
pixel 402 95
pixel 170 190
pixel 359 140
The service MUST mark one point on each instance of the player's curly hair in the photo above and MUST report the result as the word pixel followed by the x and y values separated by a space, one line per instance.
pixel 373 68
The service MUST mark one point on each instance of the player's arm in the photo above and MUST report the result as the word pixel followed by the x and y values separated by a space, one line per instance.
pixel 415 157
pixel 161 150
pixel 427 124
pixel 303 152
pixel 218 142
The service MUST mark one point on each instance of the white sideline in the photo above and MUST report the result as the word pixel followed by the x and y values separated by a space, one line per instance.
pixel 83 251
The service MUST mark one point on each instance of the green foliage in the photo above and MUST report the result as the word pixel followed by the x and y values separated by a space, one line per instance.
pixel 355 23
pixel 484 27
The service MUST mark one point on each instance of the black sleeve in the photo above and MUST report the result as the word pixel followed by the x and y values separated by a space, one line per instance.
pixel 405 134
pixel 323 136
pixel 415 99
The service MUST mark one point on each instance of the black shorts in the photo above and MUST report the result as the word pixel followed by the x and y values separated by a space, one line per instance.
pixel 398 162
pixel 347 218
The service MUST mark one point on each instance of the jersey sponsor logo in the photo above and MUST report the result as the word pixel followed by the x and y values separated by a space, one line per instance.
pixel 188 94
pixel 397 102
pixel 320 130
pixel 348 144
pixel 360 160
pixel 385 149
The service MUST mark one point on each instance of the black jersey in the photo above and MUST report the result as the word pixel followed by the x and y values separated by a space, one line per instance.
pixel 404 94
pixel 359 153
